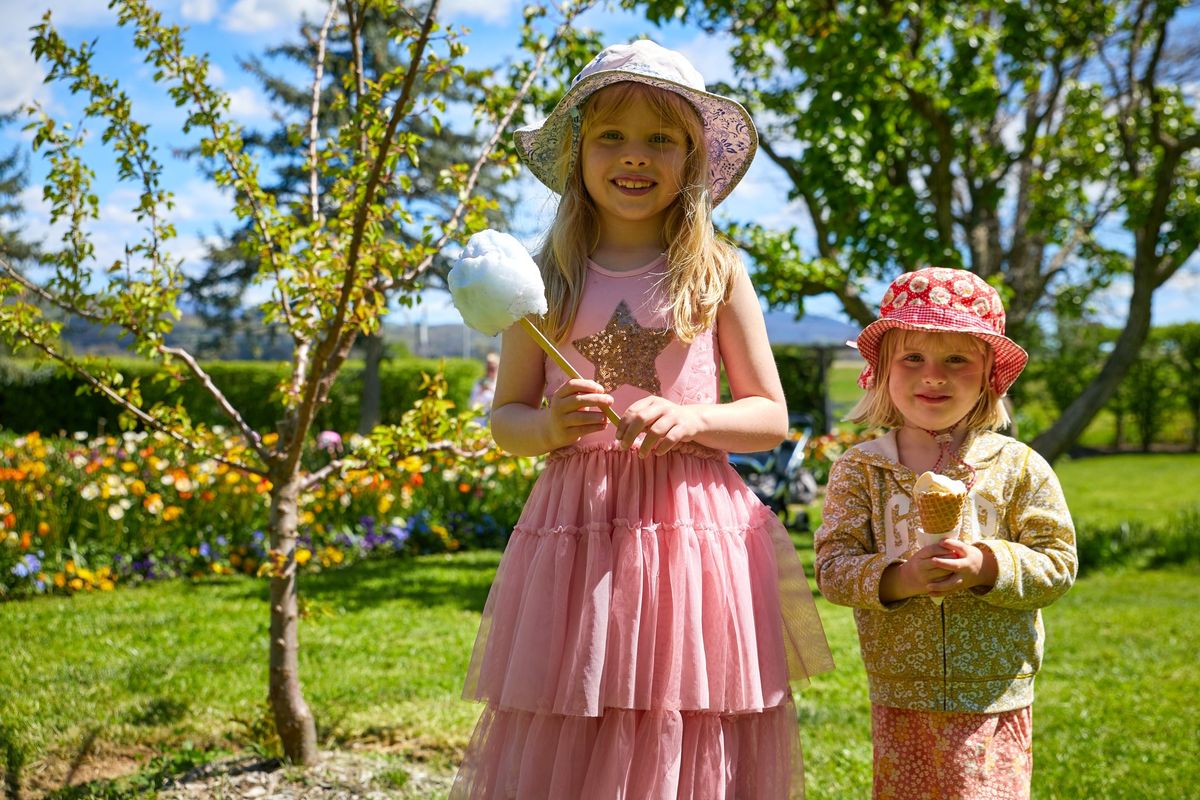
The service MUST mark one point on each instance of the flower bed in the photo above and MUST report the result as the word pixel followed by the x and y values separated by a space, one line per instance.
pixel 87 513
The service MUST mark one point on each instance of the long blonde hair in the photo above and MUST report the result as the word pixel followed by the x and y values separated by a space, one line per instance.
pixel 700 264
pixel 876 406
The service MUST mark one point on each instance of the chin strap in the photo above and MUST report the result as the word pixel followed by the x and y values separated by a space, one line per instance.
pixel 945 456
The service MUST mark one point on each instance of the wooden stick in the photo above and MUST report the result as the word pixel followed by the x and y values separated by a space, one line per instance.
pixel 562 362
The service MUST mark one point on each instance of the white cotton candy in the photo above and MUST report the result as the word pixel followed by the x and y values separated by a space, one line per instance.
pixel 495 282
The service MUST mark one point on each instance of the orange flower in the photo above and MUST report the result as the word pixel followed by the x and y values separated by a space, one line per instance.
pixel 43 528
pixel 417 480
pixel 26 540
pixel 464 488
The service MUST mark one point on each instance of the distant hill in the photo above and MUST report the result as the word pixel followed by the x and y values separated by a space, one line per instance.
pixel 811 329
pixel 430 341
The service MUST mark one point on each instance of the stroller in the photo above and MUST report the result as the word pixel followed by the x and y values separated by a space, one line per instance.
pixel 778 477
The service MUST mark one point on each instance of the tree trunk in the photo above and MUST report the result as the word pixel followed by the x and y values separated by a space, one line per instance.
pixel 293 720
pixel 369 409
pixel 1055 440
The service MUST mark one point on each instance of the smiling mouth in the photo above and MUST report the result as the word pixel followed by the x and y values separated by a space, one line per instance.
pixel 934 398
pixel 632 183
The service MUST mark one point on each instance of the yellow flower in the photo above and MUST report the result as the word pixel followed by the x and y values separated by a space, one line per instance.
pixel 232 477
pixel 171 513
pixel 129 466
pixel 76 584
pixel 303 555
pixel 107 585
pixel 385 503
pixel 70 567
pixel 411 464
pixel 60 580
pixel 137 488
pixel 153 503
pixel 270 439
pixel 43 528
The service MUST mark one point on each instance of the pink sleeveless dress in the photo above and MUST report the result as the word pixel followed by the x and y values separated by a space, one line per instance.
pixel 648 614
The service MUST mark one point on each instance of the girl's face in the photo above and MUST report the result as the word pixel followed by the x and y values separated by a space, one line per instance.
pixel 935 379
pixel 633 163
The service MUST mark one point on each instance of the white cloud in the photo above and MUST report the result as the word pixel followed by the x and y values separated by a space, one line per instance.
pixel 247 104
pixel 198 10
pixel 259 16
pixel 487 10
pixel 203 203
pixel 23 76
pixel 709 53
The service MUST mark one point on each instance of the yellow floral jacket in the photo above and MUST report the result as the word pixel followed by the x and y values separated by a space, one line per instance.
pixel 979 650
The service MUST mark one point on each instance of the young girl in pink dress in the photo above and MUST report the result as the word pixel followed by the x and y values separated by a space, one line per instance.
pixel 648 613
pixel 951 682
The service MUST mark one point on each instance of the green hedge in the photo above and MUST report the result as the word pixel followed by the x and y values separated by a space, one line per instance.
pixel 801 374
pixel 45 397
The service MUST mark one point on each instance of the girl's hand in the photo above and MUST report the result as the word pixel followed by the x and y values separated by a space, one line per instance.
pixel 665 424
pixel 966 565
pixel 921 573
pixel 577 409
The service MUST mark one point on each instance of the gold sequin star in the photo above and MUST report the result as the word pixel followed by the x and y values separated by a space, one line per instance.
pixel 624 352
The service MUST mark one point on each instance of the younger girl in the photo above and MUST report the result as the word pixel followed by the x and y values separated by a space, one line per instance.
pixel 951 683
pixel 648 612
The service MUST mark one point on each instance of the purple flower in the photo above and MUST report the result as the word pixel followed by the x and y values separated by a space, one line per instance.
pixel 330 442
pixel 398 534
pixel 205 550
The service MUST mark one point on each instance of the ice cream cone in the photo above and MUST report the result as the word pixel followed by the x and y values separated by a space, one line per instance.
pixel 940 503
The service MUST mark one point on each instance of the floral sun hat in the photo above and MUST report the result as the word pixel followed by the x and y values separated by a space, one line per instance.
pixel 729 133
pixel 937 299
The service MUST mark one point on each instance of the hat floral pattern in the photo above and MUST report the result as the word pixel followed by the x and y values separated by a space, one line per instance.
pixel 730 137
pixel 937 299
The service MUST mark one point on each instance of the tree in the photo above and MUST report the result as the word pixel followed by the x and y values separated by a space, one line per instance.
pixel 331 258
pixel 1147 392
pixel 14 177
pixel 1050 147
pixel 1182 344
pixel 360 51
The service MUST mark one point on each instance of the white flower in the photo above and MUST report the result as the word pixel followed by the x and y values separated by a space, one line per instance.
pixel 918 284
pixel 90 491
pixel 939 295
pixel 115 511
pixel 963 287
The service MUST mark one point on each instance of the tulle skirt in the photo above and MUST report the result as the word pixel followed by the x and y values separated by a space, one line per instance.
pixel 640 638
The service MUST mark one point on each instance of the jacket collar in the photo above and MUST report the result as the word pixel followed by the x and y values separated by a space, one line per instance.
pixel 978 449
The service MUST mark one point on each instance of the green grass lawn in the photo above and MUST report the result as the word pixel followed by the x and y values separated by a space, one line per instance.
pixel 386 646
pixel 1108 490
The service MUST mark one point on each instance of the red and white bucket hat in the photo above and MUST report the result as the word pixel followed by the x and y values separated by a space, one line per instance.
pixel 937 299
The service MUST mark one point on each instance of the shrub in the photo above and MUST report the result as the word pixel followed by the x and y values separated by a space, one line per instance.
pixel 36 396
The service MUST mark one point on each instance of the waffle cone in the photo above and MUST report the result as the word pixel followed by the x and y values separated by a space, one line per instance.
pixel 940 513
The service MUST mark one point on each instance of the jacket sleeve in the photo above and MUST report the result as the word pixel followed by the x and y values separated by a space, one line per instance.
pixel 848 567
pixel 1037 564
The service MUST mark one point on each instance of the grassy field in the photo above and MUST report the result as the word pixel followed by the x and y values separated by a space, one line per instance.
pixel 178 665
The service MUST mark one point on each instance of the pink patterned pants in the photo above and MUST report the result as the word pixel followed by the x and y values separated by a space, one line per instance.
pixel 926 755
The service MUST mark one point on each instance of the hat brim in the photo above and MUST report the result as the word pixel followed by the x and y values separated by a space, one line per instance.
pixel 1009 358
pixel 730 136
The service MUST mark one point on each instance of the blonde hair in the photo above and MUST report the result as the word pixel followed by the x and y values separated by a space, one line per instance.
pixel 700 264
pixel 876 406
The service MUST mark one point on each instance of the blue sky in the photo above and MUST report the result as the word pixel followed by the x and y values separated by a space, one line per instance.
pixel 229 29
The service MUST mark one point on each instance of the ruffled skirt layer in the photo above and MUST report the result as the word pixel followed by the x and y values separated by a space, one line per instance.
pixel 640 636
